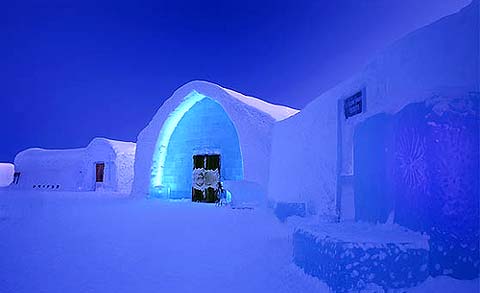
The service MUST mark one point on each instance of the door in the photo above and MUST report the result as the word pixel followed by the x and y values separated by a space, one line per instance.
pixel 198 178
pixel 205 178
pixel 372 152
pixel 99 174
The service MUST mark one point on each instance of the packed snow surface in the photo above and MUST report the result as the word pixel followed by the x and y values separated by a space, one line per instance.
pixel 82 242
pixel 86 242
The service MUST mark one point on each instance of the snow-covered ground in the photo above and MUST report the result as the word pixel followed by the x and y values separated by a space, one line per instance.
pixel 86 242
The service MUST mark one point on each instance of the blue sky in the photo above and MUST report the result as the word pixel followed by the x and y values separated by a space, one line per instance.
pixel 74 70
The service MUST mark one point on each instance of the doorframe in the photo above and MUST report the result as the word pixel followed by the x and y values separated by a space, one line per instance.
pixel 101 184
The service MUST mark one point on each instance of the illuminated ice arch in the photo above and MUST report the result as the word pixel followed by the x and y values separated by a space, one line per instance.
pixel 199 125
pixel 247 124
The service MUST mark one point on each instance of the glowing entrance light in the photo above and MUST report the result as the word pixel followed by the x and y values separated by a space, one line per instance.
pixel 165 133
pixel 198 126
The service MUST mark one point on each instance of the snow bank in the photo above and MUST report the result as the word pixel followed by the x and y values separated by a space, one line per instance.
pixel 74 169
pixel 246 194
pixel 6 174
pixel 194 113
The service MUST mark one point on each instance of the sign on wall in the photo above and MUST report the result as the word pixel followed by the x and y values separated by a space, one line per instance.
pixel 353 105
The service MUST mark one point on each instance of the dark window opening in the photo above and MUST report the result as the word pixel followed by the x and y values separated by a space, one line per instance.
pixel 99 171
pixel 16 177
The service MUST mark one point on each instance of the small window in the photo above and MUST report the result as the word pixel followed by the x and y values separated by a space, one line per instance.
pixel 354 105
pixel 16 177
pixel 100 169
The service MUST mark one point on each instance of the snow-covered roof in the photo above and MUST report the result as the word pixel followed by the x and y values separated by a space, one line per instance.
pixel 46 153
pixel 119 147
pixel 116 146
pixel 277 112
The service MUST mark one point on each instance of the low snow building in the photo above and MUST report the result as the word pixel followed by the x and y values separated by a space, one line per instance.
pixel 398 142
pixel 103 165
pixel 6 174
pixel 202 135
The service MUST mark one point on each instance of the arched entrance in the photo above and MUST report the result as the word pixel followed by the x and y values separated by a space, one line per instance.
pixel 198 128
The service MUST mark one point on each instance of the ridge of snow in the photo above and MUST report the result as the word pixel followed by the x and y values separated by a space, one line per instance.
pixel 120 147
pixel 277 112
pixel 117 146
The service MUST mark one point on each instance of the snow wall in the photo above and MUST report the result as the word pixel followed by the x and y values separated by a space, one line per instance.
pixel 75 169
pixel 204 118
pixel 410 156
pixel 6 174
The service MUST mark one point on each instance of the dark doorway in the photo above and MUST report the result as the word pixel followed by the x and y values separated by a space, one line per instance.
pixel 99 171
pixel 16 177
pixel 372 148
pixel 206 176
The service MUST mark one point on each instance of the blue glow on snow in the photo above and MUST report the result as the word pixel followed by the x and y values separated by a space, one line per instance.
pixel 199 125
pixel 164 137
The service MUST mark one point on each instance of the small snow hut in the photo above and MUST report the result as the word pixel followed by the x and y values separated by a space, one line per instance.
pixel 6 174
pixel 103 165
pixel 202 135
